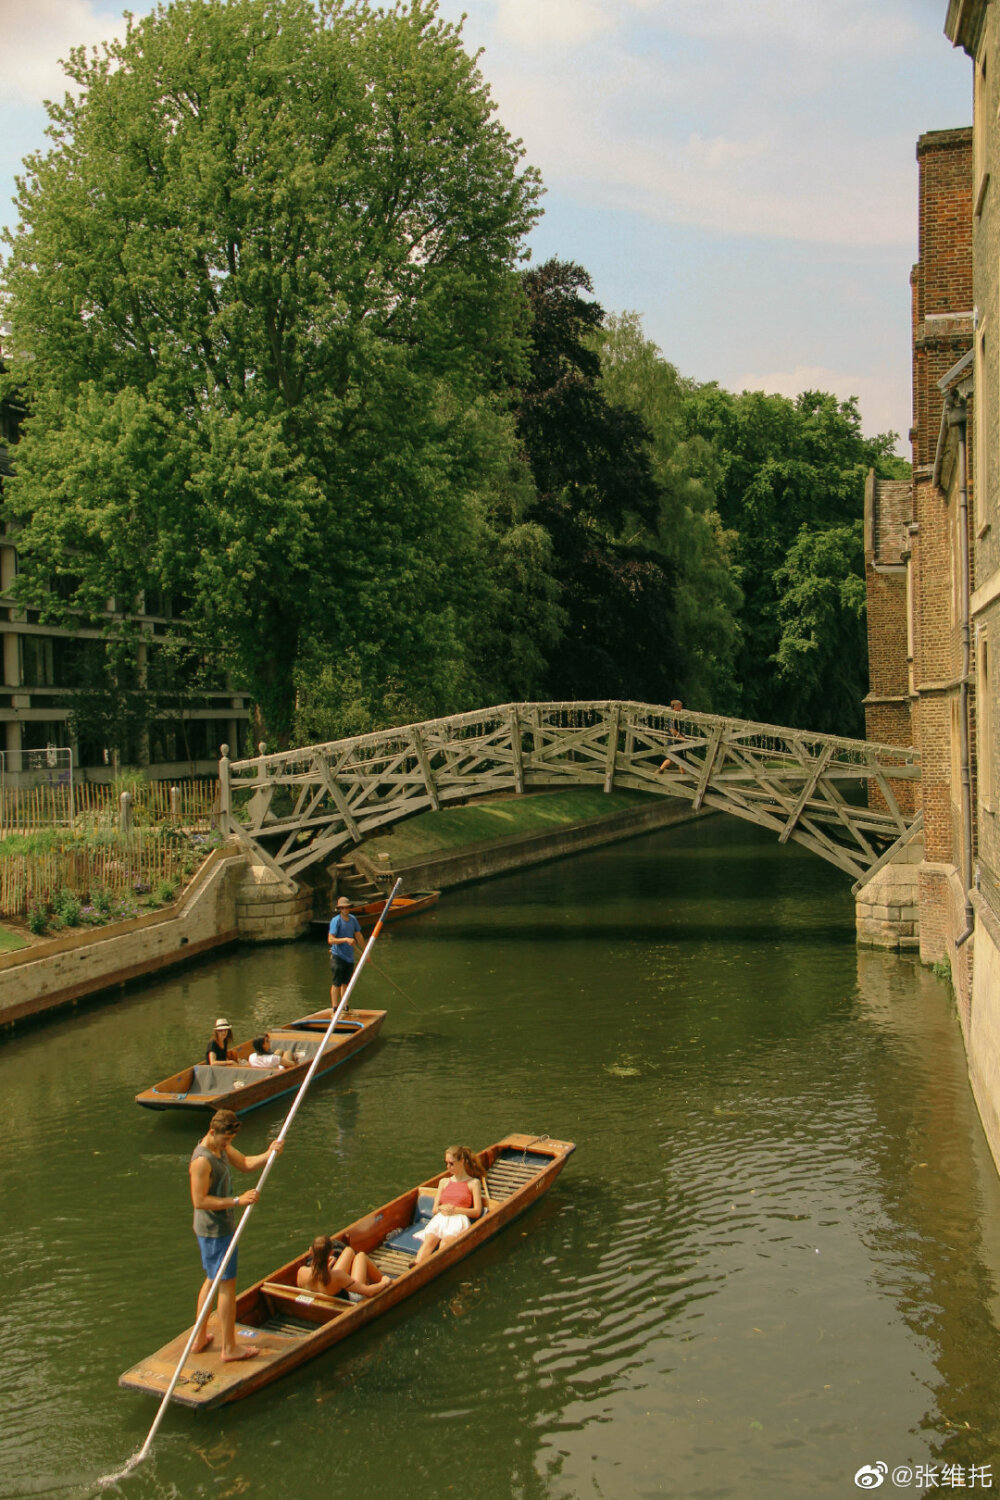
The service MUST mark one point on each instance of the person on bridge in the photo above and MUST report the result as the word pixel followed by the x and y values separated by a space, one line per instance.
pixel 215 1219
pixel 669 764
pixel 343 937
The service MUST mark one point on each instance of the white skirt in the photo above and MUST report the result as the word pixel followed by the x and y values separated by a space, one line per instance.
pixel 444 1226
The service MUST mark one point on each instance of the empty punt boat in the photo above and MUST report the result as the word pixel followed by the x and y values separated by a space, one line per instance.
pixel 368 912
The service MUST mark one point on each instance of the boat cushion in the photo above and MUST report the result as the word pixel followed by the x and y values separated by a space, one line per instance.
pixel 300 1047
pixel 524 1158
pixel 209 1079
pixel 406 1239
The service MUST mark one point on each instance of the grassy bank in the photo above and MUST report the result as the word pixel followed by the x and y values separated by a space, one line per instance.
pixel 11 941
pixel 455 828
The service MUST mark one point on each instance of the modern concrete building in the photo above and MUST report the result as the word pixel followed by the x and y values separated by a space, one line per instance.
pixel 46 668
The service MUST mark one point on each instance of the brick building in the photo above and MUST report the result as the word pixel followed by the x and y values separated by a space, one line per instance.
pixel 938 590
pixel 888 515
pixel 972 580
pixel 942 302
pixel 914 633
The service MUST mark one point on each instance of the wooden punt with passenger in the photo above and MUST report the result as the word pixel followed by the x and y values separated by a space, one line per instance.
pixel 288 1326
pixel 228 1086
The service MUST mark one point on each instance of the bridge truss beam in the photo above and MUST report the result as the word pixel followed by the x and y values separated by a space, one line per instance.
pixel 301 806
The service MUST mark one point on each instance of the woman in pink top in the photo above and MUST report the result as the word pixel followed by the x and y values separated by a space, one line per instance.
pixel 458 1200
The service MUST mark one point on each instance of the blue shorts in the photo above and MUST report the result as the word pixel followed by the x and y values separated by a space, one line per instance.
pixel 212 1250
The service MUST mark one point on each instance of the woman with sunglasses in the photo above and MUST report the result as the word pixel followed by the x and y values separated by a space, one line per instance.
pixel 457 1202
pixel 220 1047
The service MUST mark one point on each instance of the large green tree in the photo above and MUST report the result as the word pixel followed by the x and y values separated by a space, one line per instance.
pixel 705 601
pixel 265 267
pixel 790 486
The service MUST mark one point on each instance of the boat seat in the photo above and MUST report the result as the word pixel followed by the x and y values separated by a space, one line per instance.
pixel 306 1025
pixel 405 1239
pixel 302 1048
pixel 212 1079
pixel 285 1293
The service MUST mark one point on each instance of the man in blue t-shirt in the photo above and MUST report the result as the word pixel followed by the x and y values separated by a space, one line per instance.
pixel 344 934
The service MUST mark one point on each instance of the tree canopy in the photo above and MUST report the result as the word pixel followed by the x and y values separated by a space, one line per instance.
pixel 790 489
pixel 263 272
pixel 280 359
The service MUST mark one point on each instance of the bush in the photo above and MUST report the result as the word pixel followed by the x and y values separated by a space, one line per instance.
pixel 164 892
pixel 38 918
pixel 67 907
pixel 101 901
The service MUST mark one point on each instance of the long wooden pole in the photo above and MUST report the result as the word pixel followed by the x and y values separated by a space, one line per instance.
pixel 143 1452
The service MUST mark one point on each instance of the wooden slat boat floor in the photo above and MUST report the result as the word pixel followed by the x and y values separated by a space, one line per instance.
pixel 393 1262
pixel 502 1180
pixel 287 1323
pixel 287 1326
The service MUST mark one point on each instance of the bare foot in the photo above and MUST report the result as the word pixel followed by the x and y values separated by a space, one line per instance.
pixel 206 1342
pixel 240 1354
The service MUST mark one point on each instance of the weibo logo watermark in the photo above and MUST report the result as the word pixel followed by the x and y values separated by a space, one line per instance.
pixel 926 1476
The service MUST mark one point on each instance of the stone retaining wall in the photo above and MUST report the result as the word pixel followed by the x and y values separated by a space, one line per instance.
pixel 472 862
pixel 269 911
pixel 887 907
pixel 79 964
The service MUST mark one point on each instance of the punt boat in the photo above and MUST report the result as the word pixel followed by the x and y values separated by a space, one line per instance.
pixel 368 912
pixel 288 1326
pixel 214 1086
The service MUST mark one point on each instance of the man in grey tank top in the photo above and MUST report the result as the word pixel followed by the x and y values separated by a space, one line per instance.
pixel 215 1219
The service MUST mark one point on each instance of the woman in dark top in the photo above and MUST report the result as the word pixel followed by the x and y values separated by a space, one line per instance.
pixel 220 1049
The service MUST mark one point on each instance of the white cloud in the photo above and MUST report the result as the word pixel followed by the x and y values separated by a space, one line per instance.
pixel 848 27
pixel 882 396
pixel 37 34
pixel 820 28
pixel 534 24
pixel 772 118
pixel 767 180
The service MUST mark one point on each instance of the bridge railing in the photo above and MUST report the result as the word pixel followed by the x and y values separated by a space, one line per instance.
pixel 295 807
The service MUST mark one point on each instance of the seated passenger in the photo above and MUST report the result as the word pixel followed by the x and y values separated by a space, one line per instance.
pixel 458 1200
pixel 220 1049
pixel 352 1272
pixel 263 1057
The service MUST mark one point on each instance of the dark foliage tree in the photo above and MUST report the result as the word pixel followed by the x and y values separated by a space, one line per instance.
pixel 597 500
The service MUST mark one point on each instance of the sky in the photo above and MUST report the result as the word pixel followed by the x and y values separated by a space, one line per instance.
pixel 740 173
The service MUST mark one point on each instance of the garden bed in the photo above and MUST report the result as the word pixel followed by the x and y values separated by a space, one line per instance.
pixel 60 879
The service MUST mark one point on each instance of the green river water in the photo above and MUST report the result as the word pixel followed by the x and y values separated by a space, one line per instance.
pixel 773 1259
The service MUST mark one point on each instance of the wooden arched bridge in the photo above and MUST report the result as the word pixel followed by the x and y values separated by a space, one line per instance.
pixel 297 807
